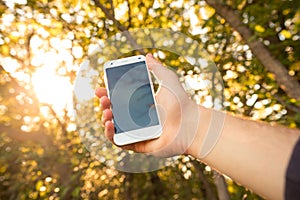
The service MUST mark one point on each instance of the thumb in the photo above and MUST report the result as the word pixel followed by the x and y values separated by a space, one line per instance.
pixel 161 72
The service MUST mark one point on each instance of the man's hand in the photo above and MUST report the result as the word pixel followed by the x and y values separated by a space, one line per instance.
pixel 179 115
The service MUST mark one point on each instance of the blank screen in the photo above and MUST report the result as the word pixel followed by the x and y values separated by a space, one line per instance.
pixel 131 97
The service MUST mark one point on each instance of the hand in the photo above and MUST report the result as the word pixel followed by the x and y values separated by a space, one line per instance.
pixel 179 115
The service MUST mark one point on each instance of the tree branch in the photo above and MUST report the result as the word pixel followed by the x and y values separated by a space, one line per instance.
pixel 119 26
pixel 112 8
pixel 289 84
pixel 61 123
pixel 129 14
pixel 289 106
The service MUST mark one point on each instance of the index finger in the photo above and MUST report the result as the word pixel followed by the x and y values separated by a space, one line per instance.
pixel 100 92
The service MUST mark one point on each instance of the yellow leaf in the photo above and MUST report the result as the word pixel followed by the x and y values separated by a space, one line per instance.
pixel 286 11
pixel 217 58
pixel 4 50
pixel 209 11
pixel 293 125
pixel 14 37
pixel 259 28
pixel 271 76
pixel 242 5
pixel 286 34
pixel 38 185
pixel 231 189
pixel 24 149
pixel 3 168
pixel 135 11
pixel 40 151
pixel 295 66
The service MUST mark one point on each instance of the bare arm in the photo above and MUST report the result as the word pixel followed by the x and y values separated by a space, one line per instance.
pixel 252 153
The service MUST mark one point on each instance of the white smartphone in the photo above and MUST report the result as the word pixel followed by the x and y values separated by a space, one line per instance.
pixel 135 113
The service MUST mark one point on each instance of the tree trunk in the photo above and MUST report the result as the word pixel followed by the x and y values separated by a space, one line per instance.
pixel 289 84
pixel 208 191
pixel 221 186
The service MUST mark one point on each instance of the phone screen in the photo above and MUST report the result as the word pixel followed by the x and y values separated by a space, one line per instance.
pixel 131 97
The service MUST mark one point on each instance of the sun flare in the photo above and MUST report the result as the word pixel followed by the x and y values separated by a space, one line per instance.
pixel 52 89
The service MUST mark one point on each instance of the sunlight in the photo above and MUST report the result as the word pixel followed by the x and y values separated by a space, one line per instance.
pixel 52 89
pixel 11 3
pixel 49 81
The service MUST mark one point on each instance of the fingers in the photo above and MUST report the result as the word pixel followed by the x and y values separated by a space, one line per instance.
pixel 107 113
pixel 100 92
pixel 104 102
pixel 108 124
pixel 109 131
pixel 106 116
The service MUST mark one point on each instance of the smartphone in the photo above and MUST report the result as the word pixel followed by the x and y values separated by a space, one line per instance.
pixel 130 90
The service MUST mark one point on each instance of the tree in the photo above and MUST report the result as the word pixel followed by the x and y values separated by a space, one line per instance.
pixel 41 152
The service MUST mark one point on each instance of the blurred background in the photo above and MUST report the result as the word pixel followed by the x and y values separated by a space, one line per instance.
pixel 255 45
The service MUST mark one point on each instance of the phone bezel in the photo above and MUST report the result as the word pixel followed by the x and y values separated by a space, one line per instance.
pixel 134 136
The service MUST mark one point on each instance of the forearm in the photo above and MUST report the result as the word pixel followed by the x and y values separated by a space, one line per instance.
pixel 252 153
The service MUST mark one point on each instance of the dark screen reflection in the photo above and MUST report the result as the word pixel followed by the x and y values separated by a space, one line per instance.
pixel 131 97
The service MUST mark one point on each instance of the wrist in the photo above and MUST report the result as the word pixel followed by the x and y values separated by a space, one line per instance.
pixel 204 119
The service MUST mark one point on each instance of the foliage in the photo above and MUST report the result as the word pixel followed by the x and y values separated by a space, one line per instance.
pixel 42 156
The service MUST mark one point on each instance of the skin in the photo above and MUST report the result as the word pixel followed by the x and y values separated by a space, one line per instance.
pixel 252 153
